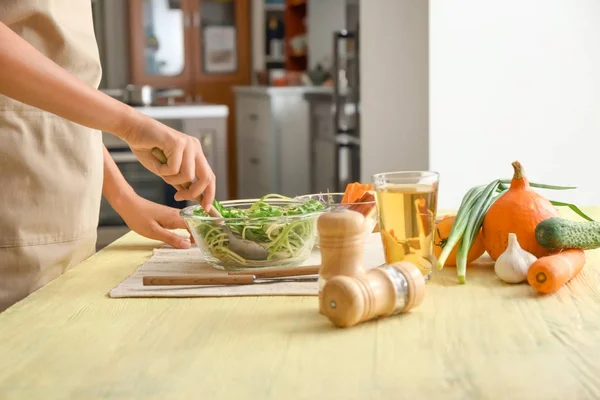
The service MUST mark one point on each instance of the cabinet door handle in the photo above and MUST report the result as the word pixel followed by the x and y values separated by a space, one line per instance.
pixel 253 117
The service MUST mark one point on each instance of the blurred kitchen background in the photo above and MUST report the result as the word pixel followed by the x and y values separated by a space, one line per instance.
pixel 301 96
pixel 270 87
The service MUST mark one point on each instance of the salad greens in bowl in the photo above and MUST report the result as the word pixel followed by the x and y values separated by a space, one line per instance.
pixel 286 228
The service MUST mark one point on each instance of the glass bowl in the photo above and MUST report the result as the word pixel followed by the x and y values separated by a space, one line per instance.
pixel 289 239
pixel 334 200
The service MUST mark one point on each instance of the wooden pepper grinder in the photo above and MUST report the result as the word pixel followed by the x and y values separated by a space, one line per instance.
pixel 341 239
pixel 382 291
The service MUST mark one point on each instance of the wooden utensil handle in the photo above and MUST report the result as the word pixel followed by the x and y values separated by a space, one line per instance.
pixel 279 272
pixel 198 280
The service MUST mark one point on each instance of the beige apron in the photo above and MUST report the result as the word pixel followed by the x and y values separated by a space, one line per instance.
pixel 50 168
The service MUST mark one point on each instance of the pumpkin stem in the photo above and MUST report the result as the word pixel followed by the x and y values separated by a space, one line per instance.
pixel 519 172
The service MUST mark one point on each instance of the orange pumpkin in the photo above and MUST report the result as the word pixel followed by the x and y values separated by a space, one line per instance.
pixel 519 210
pixel 442 230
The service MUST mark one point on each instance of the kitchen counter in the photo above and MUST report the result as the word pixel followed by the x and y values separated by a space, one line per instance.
pixel 267 90
pixel 481 340
pixel 185 111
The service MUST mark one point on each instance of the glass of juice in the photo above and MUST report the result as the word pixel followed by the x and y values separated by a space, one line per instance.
pixel 407 206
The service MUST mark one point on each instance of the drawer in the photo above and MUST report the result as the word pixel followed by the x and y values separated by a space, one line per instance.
pixel 265 123
pixel 323 120
pixel 253 117
pixel 247 109
pixel 256 169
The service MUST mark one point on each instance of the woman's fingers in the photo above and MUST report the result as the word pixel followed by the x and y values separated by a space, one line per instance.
pixel 171 219
pixel 170 238
pixel 204 185
pixel 174 151
pixel 186 171
pixel 209 194
pixel 185 161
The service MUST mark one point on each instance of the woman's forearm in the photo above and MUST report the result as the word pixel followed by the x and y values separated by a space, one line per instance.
pixel 115 188
pixel 26 75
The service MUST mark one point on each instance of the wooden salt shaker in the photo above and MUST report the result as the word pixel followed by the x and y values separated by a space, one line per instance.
pixel 341 239
pixel 381 292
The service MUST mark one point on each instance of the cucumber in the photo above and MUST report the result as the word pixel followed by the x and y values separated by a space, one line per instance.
pixel 559 233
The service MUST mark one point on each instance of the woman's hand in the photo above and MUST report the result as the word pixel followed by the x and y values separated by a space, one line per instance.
pixel 153 221
pixel 142 216
pixel 185 160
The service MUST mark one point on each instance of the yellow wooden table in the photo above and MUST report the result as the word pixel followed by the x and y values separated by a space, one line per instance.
pixel 483 340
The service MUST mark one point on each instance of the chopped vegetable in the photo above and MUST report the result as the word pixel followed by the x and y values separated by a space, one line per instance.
pixel 393 250
pixel 354 191
pixel 365 205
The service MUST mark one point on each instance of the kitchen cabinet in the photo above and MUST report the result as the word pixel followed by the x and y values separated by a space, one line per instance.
pixel 272 127
pixel 185 43
pixel 200 46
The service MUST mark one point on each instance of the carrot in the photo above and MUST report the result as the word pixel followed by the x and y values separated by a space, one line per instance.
pixel 364 209
pixel 347 192
pixel 550 273
pixel 354 191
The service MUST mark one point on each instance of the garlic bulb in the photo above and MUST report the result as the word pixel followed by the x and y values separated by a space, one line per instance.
pixel 513 264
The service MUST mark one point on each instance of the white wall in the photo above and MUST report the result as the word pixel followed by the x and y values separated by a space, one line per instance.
pixel 394 85
pixel 515 80
pixel 258 36
pixel 508 80
pixel 324 18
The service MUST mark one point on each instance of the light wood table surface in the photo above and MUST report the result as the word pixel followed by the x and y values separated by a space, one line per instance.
pixel 482 340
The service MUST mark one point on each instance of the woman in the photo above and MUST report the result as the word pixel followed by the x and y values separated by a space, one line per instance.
pixel 53 165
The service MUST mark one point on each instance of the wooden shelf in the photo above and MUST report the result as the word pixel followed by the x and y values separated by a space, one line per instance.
pixel 295 26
